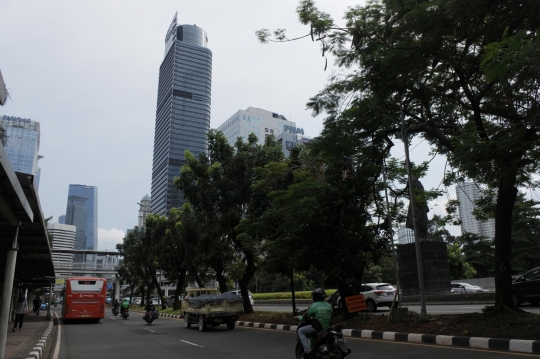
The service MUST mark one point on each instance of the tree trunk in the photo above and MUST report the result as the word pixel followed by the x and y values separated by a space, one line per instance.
pixel 293 293
pixel 160 293
pixel 180 283
pixel 245 279
pixel 131 293
pixel 506 199
pixel 143 298
pixel 222 281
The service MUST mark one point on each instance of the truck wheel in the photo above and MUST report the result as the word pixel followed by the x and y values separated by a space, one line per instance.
pixel 187 324
pixel 202 324
pixel 230 325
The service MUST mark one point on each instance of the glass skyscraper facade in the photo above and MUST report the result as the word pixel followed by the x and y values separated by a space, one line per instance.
pixel 81 212
pixel 22 145
pixel 183 110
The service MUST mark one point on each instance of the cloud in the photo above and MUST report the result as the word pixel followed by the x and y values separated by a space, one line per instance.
pixel 109 238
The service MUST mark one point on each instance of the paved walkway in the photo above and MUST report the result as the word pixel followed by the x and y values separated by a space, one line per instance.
pixel 20 343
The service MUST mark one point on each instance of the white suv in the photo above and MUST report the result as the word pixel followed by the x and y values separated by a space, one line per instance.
pixel 238 292
pixel 377 295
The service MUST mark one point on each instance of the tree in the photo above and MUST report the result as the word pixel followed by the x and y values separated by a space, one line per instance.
pixel 219 185
pixel 459 268
pixel 463 75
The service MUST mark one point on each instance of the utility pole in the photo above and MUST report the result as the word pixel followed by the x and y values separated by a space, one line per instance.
pixel 415 225
pixel 389 220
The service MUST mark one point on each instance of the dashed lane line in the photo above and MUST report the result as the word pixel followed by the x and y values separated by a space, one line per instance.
pixel 197 345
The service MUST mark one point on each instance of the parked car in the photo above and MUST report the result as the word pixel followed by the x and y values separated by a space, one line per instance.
pixel 526 288
pixel 238 292
pixel 375 294
pixel 467 288
pixel 378 295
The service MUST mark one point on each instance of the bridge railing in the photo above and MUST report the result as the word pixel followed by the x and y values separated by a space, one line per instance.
pixel 86 267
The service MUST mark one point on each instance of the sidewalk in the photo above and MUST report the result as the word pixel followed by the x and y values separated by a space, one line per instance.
pixel 20 343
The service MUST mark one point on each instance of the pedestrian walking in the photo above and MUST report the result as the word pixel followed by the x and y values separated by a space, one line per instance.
pixel 37 304
pixel 21 308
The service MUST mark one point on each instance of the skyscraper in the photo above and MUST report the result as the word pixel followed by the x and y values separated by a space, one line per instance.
pixel 183 110
pixel 81 212
pixel 467 193
pixel 62 237
pixel 22 145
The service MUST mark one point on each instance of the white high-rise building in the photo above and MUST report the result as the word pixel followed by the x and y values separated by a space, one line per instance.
pixel 467 193
pixel 62 236
pixel 261 122
pixel 405 235
pixel 144 210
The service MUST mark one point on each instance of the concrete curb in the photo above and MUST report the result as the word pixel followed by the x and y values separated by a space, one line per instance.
pixel 39 349
pixel 511 345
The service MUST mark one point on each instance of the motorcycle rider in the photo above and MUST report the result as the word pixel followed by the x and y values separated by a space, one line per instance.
pixel 318 315
pixel 125 306
pixel 116 305
pixel 149 309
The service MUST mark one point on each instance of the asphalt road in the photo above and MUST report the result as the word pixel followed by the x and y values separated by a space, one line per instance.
pixel 167 338
pixel 431 309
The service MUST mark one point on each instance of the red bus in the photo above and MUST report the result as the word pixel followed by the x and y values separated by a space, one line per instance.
pixel 84 298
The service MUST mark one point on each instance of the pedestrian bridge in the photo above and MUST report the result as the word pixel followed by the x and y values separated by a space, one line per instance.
pixel 84 262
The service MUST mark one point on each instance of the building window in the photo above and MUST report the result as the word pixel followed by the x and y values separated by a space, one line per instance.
pixel 265 130
pixel 271 131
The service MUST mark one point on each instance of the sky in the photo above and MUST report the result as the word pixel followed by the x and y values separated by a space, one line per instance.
pixel 87 70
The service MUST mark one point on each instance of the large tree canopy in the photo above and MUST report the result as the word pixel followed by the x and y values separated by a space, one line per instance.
pixel 462 74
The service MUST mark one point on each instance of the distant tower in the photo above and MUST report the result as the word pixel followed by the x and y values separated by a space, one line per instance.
pixel 81 212
pixel 183 110
pixel 62 219
pixel 22 145
pixel 467 193
pixel 144 210
pixel 62 237
pixel 405 235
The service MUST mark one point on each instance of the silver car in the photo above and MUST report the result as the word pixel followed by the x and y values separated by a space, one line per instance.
pixel 467 288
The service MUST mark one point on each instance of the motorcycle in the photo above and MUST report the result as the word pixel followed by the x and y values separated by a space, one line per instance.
pixel 115 311
pixel 125 313
pixel 328 344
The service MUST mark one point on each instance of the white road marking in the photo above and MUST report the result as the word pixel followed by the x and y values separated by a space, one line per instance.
pixel 149 330
pixel 58 335
pixel 197 345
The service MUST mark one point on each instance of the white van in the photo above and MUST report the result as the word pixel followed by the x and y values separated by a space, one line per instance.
pixel 237 292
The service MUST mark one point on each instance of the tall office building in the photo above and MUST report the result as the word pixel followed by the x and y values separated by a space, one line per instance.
pixel 183 110
pixel 144 210
pixel 62 219
pixel 467 193
pixel 62 237
pixel 81 212
pixel 22 145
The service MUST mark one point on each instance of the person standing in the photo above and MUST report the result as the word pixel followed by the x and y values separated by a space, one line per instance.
pixel 21 308
pixel 37 304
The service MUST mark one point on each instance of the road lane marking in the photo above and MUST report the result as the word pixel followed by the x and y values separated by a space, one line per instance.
pixel 58 335
pixel 153 331
pixel 197 345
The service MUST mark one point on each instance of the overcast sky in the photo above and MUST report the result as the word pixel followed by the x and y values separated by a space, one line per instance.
pixel 88 72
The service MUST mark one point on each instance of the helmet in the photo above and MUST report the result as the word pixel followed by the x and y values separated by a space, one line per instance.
pixel 318 295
